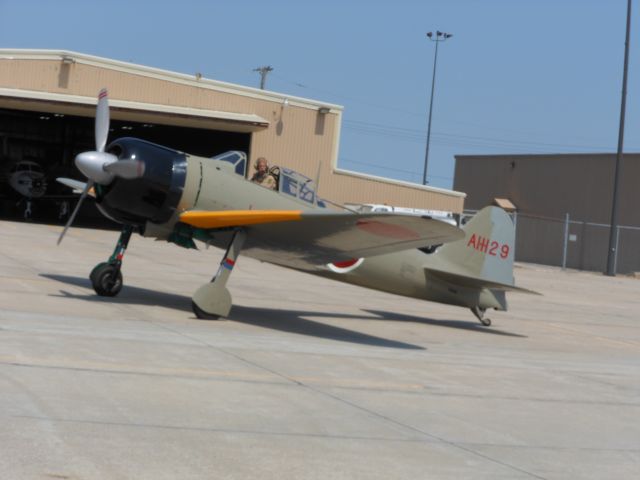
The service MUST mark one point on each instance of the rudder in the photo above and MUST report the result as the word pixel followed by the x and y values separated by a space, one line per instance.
pixel 487 251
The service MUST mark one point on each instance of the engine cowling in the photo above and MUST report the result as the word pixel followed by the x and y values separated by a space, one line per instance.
pixel 152 197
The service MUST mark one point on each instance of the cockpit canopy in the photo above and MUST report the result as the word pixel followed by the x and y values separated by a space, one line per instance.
pixel 299 186
pixel 236 158
pixel 26 166
pixel 289 182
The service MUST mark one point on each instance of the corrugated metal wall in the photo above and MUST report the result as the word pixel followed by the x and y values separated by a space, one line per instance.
pixel 552 185
pixel 545 188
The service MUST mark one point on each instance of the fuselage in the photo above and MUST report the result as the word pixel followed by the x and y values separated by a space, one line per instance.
pixel 211 185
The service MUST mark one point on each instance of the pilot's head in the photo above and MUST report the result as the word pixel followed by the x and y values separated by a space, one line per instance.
pixel 261 166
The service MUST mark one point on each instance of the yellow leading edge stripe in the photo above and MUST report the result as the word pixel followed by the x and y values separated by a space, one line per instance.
pixel 236 218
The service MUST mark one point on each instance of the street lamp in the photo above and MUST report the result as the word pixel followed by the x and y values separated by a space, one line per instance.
pixel 437 37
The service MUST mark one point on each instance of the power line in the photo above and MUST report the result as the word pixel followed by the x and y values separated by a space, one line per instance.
pixel 444 119
pixel 392 169
pixel 377 129
pixel 348 97
pixel 440 140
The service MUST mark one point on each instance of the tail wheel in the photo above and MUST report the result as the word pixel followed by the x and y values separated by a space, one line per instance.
pixel 479 313
pixel 485 321
pixel 106 280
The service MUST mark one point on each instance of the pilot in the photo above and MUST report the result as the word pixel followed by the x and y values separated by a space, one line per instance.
pixel 262 175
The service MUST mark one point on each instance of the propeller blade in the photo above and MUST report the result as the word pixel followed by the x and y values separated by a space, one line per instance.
pixel 87 187
pixel 127 169
pixel 102 120
pixel 76 185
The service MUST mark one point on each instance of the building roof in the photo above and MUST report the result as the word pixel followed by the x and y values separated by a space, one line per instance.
pixel 195 80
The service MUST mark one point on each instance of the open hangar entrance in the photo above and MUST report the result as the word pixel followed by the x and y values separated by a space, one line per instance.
pixel 51 138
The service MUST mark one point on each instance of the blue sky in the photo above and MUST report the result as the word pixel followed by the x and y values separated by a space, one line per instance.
pixel 518 76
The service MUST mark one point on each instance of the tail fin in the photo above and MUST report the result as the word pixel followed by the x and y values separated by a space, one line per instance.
pixel 484 258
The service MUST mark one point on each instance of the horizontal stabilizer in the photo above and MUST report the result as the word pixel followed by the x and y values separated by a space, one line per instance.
pixel 475 282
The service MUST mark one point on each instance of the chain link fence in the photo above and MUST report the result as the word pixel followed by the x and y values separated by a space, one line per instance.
pixel 568 243
pixel 575 244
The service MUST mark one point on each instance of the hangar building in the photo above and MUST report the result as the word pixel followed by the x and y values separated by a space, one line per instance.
pixel 47 105
pixel 544 189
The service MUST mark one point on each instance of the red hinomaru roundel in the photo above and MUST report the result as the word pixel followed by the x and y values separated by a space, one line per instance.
pixel 345 266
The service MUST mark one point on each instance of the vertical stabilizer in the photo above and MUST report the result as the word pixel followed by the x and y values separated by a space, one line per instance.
pixel 486 253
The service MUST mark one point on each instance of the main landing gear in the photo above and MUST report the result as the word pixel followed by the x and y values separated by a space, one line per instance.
pixel 479 313
pixel 213 300
pixel 106 277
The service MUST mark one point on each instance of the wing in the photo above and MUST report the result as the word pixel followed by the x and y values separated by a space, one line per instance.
pixel 307 239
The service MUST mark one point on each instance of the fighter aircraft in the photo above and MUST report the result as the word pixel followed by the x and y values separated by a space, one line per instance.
pixel 170 195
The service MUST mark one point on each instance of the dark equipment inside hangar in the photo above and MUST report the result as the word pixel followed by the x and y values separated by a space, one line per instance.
pixel 52 140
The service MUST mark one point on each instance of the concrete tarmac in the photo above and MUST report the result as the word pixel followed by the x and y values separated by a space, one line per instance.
pixel 309 379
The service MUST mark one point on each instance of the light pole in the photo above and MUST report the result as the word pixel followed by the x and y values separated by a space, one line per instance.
pixel 613 233
pixel 437 37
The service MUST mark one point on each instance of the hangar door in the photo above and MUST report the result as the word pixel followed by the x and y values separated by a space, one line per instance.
pixel 43 144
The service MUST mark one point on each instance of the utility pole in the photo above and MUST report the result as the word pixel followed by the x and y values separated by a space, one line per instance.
pixel 613 233
pixel 439 37
pixel 263 71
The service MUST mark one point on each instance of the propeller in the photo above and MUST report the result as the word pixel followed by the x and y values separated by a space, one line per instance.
pixel 83 195
pixel 99 166
pixel 102 120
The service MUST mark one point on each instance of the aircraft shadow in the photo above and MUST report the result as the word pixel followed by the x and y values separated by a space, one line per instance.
pixel 290 321
pixel 473 326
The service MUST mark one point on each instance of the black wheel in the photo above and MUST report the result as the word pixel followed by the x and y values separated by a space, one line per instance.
pixel 97 268
pixel 486 322
pixel 201 314
pixel 105 280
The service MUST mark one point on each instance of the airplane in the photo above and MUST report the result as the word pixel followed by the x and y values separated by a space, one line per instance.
pixel 173 196
pixel 27 178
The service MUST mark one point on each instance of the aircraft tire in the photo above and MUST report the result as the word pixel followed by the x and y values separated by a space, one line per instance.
pixel 201 314
pixel 92 275
pixel 102 281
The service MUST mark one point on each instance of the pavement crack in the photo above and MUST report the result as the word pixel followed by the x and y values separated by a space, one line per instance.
pixel 368 411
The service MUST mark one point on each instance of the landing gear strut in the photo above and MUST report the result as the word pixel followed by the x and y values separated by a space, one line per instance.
pixel 106 277
pixel 479 313
pixel 213 300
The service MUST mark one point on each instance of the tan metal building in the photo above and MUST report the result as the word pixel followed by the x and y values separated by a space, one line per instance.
pixel 41 90
pixel 547 188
